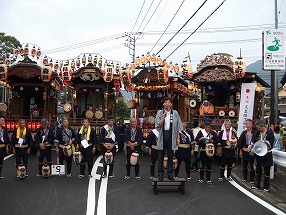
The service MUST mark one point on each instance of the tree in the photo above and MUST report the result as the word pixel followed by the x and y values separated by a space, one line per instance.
pixel 122 110
pixel 7 44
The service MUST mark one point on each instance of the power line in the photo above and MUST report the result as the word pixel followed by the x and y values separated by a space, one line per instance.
pixel 182 27
pixel 168 25
pixel 216 30
pixel 145 16
pixel 152 15
pixel 138 16
pixel 83 44
pixel 197 28
pixel 209 42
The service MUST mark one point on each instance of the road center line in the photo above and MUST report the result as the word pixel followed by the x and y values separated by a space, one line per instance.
pixel 255 198
pixel 7 157
pixel 101 204
pixel 90 206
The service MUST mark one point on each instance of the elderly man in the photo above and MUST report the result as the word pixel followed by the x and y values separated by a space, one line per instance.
pixel 169 124
pixel 265 161
pixel 22 142
pixel 133 138
pixel 86 144
pixel 64 141
pixel 44 139
pixel 108 138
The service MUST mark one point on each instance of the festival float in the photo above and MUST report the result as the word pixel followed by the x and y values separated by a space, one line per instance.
pixel 32 84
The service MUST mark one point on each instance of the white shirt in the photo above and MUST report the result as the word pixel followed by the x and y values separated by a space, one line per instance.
pixel 167 121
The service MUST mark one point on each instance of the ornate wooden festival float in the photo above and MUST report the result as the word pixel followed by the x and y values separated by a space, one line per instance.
pixel 153 80
pixel 219 81
pixel 32 84
pixel 93 82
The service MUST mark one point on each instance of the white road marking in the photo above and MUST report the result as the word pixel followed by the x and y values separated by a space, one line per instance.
pixel 101 204
pixel 90 206
pixel 8 156
pixel 255 198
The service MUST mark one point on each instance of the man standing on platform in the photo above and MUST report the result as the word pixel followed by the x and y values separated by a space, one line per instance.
pixel 169 124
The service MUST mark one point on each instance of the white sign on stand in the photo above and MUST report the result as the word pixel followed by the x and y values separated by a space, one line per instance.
pixel 58 169
pixel 273 50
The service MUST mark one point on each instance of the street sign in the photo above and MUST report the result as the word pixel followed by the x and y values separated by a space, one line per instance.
pixel 273 49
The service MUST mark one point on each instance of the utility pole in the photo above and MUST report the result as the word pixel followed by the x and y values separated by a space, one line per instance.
pixel 274 83
pixel 131 42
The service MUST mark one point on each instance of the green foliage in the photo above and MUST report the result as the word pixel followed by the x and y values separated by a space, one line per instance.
pixel 122 110
pixel 7 44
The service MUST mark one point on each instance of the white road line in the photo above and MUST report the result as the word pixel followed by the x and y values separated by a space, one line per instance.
pixel 8 156
pixel 257 199
pixel 101 204
pixel 90 206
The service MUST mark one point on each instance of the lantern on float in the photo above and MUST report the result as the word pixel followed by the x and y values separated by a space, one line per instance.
pixel 163 74
pixel 46 73
pixel 95 60
pixel 45 61
pixel 89 58
pixel 176 68
pixel 125 76
pixel 51 63
pixel 100 62
pixel 159 61
pixel 77 62
pixel 239 67
pixel 66 73
pixel 83 59
pixel 26 49
pixel 137 61
pixel 56 66
pixel 108 72
pixel 33 51
pixel 153 59
pixel 72 64
pixel 22 52
pixel 148 57
pixel 3 72
pixel 38 53
pixel 143 59
pixel 16 52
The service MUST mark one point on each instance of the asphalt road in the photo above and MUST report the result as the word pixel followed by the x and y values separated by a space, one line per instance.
pixel 68 196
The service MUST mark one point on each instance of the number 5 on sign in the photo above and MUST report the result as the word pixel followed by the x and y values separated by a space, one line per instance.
pixel 58 169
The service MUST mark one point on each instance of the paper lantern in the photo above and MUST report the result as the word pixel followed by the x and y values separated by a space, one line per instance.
pixel 46 73
pixel 89 59
pixel 108 72
pixel 33 51
pixel 3 71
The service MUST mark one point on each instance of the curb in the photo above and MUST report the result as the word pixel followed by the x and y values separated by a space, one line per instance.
pixel 276 196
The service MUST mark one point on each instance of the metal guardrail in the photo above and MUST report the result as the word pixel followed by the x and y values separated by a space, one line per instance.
pixel 279 158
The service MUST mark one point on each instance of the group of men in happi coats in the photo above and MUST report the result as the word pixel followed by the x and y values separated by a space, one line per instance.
pixel 171 142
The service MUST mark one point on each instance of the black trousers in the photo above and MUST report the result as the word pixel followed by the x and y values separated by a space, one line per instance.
pixel 21 158
pixel 187 166
pixel 1 164
pixel 69 162
pixel 245 169
pixel 259 175
pixel 208 164
pixel 226 161
pixel 167 146
pixel 152 166
pixel 120 143
pixel 89 161
pixel 195 161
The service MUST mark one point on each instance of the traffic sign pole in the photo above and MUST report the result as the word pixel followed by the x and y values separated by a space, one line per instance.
pixel 274 84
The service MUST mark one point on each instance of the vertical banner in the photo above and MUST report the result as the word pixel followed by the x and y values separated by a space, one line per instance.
pixel 246 105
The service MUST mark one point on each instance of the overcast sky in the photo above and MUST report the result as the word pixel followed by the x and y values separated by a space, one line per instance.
pixel 52 24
